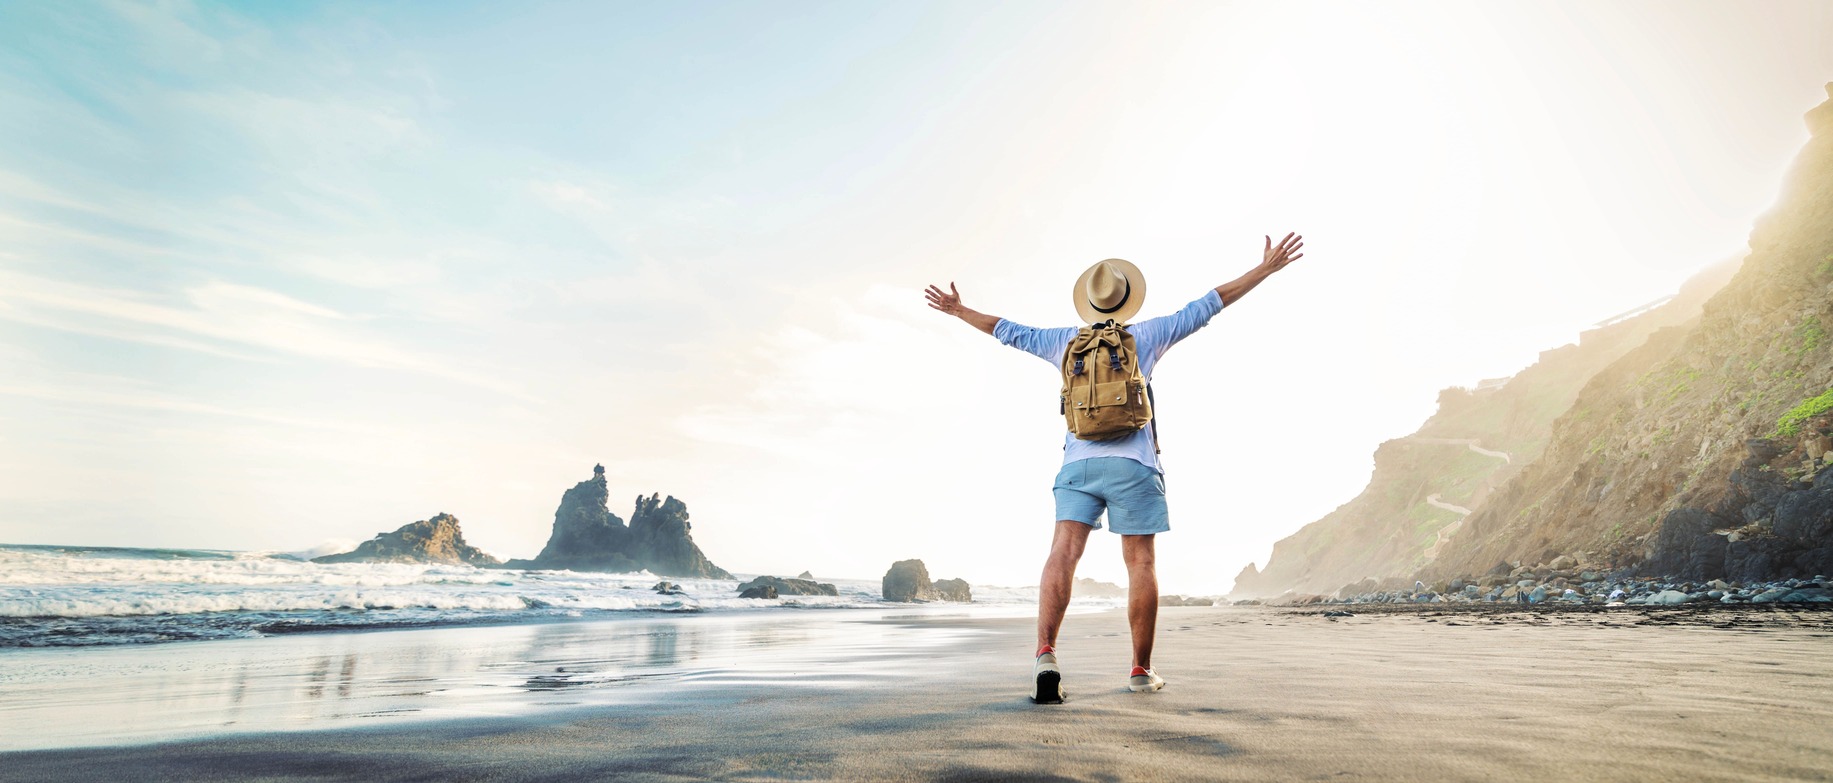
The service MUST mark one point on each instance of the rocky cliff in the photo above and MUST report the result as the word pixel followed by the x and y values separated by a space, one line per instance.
pixel 1425 484
pixel 588 537
pixel 1701 453
pixel 436 540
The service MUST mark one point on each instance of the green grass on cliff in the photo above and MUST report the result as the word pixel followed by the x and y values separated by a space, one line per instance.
pixel 1790 424
pixel 1808 336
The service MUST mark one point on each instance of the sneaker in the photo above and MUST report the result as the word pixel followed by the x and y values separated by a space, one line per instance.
pixel 1143 680
pixel 1046 679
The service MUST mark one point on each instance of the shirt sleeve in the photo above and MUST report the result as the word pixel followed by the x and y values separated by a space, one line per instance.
pixel 1166 330
pixel 1046 344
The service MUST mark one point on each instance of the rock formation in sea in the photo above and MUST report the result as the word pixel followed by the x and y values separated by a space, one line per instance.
pixel 908 582
pixel 956 590
pixel 1090 588
pixel 1688 441
pixel 791 586
pixel 588 537
pixel 436 540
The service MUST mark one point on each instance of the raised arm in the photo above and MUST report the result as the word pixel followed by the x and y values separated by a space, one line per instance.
pixel 1274 259
pixel 950 303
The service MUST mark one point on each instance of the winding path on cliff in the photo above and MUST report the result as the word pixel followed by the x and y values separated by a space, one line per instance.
pixel 1471 443
pixel 1444 534
pixel 1433 501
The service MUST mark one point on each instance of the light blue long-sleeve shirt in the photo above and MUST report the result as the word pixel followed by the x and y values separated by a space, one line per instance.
pixel 1151 338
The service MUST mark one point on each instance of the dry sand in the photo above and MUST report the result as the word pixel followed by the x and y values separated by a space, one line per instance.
pixel 1254 694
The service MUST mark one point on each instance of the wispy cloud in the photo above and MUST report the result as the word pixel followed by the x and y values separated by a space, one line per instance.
pixel 238 315
pixel 85 395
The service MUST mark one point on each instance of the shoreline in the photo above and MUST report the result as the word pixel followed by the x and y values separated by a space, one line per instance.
pixel 1254 693
pixel 53 698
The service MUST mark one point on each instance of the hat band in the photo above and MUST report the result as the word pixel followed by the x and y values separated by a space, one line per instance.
pixel 1117 305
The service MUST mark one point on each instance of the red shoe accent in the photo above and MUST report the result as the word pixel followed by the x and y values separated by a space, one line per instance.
pixel 1138 671
pixel 1045 649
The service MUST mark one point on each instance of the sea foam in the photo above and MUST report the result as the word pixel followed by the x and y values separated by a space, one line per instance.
pixel 58 596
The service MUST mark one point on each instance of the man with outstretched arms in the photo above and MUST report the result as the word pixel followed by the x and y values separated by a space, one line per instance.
pixel 1119 472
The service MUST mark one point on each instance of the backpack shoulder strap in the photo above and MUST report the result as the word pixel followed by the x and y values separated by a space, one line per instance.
pixel 1154 404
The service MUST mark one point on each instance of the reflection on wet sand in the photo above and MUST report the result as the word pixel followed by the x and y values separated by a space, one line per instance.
pixel 618 659
pixel 53 698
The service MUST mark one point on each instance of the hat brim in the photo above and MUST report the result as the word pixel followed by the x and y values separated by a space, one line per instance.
pixel 1136 296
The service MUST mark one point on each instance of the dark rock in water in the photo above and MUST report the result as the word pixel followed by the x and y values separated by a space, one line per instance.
pixel 661 540
pixel 588 537
pixel 668 588
pixel 805 575
pixel 761 591
pixel 1179 600
pixel 435 540
pixel 790 586
pixel 908 581
pixel 954 590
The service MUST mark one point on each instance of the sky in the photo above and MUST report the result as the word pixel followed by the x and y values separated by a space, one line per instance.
pixel 277 276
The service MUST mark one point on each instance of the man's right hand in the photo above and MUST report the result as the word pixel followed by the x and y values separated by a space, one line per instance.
pixel 950 302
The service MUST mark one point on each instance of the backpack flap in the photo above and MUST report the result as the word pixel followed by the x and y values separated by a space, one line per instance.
pixel 1097 395
pixel 1114 393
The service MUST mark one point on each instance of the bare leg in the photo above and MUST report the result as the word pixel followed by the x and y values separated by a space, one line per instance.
pixel 1142 595
pixel 1059 575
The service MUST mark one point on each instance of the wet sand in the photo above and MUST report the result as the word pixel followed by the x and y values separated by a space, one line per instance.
pixel 1254 694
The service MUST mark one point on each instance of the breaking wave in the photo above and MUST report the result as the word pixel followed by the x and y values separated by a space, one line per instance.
pixel 78 596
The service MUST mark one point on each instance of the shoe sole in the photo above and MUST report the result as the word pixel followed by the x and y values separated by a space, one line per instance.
pixel 1048 683
pixel 1147 688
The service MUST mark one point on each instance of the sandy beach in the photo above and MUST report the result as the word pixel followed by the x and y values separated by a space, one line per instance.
pixel 1254 694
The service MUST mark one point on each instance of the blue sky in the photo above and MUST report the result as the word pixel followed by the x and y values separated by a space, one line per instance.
pixel 272 274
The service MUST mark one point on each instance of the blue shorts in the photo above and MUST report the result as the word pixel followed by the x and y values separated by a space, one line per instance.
pixel 1132 494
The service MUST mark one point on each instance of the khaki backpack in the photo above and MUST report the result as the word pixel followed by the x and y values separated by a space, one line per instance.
pixel 1104 397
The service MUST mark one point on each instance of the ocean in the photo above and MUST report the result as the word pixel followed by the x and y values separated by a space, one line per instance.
pixel 68 596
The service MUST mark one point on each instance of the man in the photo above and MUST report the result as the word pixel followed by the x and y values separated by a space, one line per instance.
pixel 1122 476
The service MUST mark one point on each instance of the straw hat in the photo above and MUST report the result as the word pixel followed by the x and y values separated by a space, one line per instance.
pixel 1113 289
